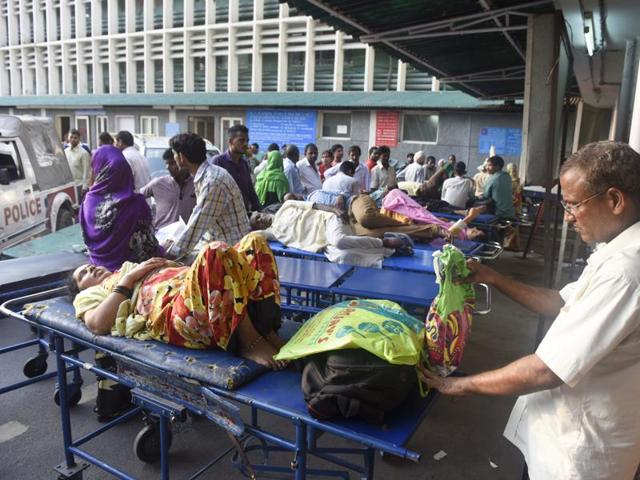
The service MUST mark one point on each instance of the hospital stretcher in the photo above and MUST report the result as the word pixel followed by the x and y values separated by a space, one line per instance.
pixel 421 261
pixel 168 381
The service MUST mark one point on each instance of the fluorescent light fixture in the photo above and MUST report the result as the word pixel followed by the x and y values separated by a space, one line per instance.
pixel 589 33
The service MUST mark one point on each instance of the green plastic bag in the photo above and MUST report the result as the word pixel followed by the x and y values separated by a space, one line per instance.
pixel 380 327
pixel 448 324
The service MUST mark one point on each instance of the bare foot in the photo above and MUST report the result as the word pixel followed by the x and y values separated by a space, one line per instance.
pixel 275 341
pixel 261 352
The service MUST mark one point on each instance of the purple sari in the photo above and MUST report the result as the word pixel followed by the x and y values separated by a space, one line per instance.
pixel 116 222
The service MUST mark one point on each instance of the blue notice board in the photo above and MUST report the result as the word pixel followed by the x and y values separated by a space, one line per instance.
pixel 282 126
pixel 507 141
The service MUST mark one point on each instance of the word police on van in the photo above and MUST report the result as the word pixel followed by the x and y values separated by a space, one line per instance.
pixel 37 189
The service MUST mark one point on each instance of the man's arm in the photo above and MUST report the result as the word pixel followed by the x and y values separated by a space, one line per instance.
pixel 197 224
pixel 526 375
pixel 543 301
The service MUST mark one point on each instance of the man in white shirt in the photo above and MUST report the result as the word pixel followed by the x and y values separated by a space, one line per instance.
pixel 415 170
pixel 383 176
pixel 458 190
pixel 578 415
pixel 292 155
pixel 343 182
pixel 308 170
pixel 138 164
pixel 79 162
pixel 362 174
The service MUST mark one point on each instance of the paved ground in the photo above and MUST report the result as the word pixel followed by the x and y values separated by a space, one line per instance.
pixel 469 430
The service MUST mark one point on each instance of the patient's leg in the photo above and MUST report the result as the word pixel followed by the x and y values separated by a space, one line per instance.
pixel 255 347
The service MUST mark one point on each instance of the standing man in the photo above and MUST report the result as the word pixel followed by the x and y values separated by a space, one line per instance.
pixel 372 159
pixel 174 193
pixel 234 162
pixel 362 174
pixel 138 164
pixel 415 170
pixel 291 157
pixel 309 174
pixel 219 213
pixel 383 176
pixel 578 415
pixel 79 162
pixel 338 152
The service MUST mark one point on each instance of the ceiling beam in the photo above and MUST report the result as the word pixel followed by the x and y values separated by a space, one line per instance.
pixel 485 4
pixel 446 33
pixel 402 51
pixel 446 22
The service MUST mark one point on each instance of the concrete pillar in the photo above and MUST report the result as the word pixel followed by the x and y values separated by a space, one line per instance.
pixel 625 95
pixel 96 18
pixel 41 72
pixel 79 16
pixel 309 58
pixel 5 87
pixel 27 74
pixel 167 65
pixel 546 73
pixel 402 76
pixel 634 132
pixel 149 64
pixel 147 14
pixel 130 17
pixel 338 62
pixel 256 53
pixel 167 13
pixel 54 77
pixel 83 58
pixel 187 62
pixel 209 62
pixel 543 99
pixel 130 66
pixel 232 62
pixel 188 9
pixel 112 12
pixel 435 84
pixel 369 60
pixel 98 83
pixel 282 51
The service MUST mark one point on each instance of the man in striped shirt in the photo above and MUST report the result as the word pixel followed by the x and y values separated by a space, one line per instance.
pixel 219 213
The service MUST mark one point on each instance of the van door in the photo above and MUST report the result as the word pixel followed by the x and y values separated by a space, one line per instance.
pixel 23 212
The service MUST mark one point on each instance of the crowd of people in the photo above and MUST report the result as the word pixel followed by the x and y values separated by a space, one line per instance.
pixel 577 416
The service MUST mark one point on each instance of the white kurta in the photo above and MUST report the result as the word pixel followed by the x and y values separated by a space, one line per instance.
pixel 139 167
pixel 589 428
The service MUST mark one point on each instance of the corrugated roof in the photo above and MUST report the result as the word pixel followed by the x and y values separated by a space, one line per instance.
pixel 478 46
pixel 353 100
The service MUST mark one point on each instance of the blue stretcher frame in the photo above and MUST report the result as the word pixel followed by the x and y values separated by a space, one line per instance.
pixel 220 409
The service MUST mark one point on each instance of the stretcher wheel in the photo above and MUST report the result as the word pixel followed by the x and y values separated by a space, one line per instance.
pixel 36 366
pixel 146 446
pixel 74 394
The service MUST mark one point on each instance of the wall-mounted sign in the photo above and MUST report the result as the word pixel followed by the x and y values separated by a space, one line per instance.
pixel 387 128
pixel 296 127
pixel 507 141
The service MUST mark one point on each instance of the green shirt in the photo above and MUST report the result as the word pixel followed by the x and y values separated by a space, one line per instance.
pixel 498 189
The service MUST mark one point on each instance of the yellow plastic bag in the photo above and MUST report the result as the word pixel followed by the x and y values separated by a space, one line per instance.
pixel 380 327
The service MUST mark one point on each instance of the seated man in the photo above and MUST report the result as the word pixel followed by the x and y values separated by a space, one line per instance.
pixel 343 181
pixel 497 195
pixel 314 228
pixel 174 193
pixel 458 190
pixel 193 307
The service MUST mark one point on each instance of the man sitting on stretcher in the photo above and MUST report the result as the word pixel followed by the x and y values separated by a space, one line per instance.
pixel 228 298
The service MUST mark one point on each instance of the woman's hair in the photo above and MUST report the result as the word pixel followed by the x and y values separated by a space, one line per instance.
pixel 72 286
pixel 607 164
pixel 327 152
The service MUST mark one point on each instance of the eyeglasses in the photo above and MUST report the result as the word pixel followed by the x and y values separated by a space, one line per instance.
pixel 570 208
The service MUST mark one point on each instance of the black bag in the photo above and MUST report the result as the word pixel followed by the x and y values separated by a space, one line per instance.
pixel 354 383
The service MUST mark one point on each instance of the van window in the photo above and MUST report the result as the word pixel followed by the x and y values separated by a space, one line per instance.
pixel 10 160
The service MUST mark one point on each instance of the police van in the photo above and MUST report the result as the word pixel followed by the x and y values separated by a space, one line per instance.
pixel 37 189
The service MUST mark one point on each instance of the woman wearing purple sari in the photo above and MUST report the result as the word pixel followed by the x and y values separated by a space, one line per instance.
pixel 116 222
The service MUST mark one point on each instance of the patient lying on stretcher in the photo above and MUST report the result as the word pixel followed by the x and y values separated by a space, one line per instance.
pixel 228 298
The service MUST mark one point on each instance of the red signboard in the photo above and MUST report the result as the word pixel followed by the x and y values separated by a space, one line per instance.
pixel 387 126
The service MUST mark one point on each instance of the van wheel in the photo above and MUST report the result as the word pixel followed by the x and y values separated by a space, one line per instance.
pixel 65 218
